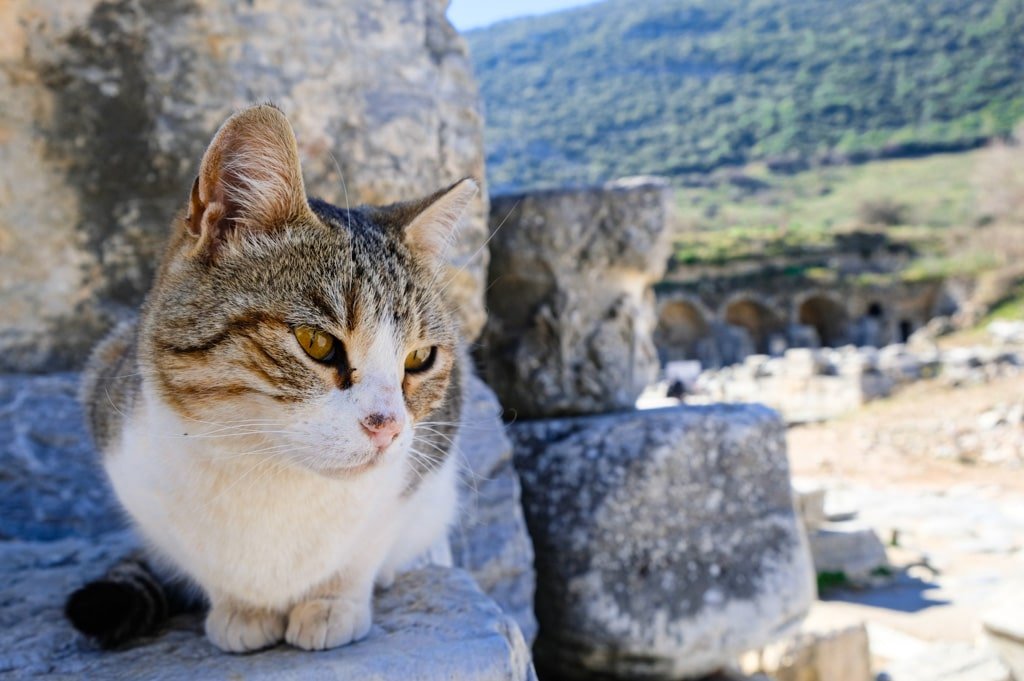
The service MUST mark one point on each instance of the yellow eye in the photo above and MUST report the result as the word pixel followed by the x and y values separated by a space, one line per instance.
pixel 419 360
pixel 317 344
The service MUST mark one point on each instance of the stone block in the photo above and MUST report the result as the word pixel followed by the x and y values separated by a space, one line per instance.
pixel 107 107
pixel 848 548
pixel 810 505
pixel 571 314
pixel 820 653
pixel 1004 629
pixel 666 540
pixel 433 623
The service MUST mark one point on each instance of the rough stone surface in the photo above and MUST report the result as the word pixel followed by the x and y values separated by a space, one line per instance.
pixel 490 539
pixel 667 542
pixel 52 486
pixel 106 107
pixel 51 483
pixel 570 309
pixel 819 652
pixel 432 624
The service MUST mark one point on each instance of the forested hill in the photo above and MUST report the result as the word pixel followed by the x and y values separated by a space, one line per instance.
pixel 680 87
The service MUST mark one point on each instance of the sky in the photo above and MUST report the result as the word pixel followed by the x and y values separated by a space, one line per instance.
pixel 467 14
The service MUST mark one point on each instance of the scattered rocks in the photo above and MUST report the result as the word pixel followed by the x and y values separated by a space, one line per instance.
pixel 807 385
pixel 570 310
pixel 666 540
pixel 107 107
pixel 432 624
pixel 1008 332
pixel 803 385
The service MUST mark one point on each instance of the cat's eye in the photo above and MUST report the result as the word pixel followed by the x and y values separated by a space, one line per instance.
pixel 316 343
pixel 420 360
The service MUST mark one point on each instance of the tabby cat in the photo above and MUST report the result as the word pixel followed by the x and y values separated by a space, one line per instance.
pixel 278 422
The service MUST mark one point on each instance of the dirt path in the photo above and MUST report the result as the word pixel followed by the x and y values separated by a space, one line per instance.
pixel 916 437
pixel 941 479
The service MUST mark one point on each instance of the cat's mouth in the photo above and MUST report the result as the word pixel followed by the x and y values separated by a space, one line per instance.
pixel 341 472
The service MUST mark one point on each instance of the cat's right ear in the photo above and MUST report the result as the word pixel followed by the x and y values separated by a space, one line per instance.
pixel 249 180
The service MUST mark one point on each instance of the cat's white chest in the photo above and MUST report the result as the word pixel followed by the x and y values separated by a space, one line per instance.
pixel 250 526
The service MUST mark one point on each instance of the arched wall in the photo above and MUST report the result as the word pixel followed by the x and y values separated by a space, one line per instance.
pixel 754 314
pixel 682 323
pixel 827 316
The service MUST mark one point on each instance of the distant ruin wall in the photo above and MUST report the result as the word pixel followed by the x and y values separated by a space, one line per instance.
pixel 722 322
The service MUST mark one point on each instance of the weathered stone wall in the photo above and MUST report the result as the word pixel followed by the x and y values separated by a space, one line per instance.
pixel 106 107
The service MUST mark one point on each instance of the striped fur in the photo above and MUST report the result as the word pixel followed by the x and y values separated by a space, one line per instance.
pixel 247 465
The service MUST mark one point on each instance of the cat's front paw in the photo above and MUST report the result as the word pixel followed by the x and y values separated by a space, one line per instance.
pixel 324 623
pixel 242 630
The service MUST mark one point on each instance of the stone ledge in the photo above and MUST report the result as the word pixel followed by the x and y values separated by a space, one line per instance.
pixel 433 623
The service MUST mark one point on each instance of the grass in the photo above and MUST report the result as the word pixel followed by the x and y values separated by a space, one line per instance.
pixel 936 190
pixel 1009 308
pixel 832 580
pixel 753 213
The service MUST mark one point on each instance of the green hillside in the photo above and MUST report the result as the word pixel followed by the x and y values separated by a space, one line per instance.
pixel 682 87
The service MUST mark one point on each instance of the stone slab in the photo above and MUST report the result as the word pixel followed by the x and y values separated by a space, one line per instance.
pixel 433 624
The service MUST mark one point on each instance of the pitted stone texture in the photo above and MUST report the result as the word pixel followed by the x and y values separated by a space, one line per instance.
pixel 106 108
pixel 571 314
pixel 490 538
pixel 666 540
pixel 51 483
pixel 432 624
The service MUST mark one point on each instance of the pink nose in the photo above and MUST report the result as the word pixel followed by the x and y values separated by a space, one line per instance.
pixel 382 429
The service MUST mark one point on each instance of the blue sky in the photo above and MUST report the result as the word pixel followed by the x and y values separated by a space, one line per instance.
pixel 467 14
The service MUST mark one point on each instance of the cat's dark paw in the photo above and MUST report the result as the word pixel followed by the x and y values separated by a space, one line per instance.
pixel 112 612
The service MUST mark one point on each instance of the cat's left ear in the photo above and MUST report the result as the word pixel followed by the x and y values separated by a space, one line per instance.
pixel 430 225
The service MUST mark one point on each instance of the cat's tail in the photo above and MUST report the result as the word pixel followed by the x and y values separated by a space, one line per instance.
pixel 130 601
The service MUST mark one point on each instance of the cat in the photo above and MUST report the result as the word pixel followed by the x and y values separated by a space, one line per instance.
pixel 278 423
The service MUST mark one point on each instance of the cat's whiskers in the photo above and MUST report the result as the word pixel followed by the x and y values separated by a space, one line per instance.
pixel 344 187
pixel 451 280
pixel 241 433
pixel 277 464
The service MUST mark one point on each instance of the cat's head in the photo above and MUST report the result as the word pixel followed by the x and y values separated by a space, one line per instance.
pixel 322 330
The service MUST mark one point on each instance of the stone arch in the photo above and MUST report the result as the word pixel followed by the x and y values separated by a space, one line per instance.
pixel 682 324
pixel 756 317
pixel 827 316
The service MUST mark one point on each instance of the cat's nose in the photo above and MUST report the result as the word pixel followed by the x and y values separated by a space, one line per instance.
pixel 382 428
